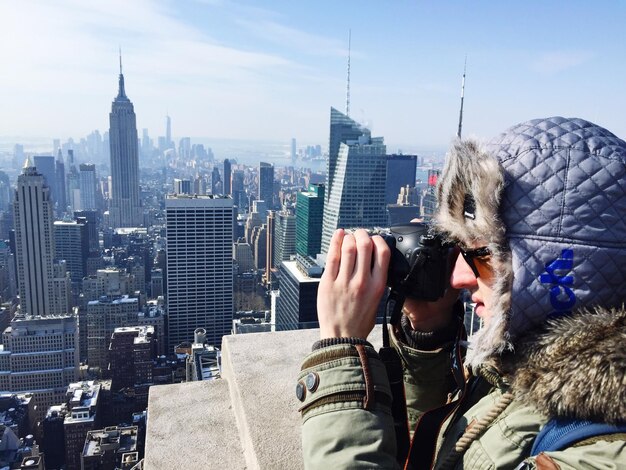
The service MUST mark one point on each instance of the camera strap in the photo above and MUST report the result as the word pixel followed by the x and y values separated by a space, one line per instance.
pixel 393 365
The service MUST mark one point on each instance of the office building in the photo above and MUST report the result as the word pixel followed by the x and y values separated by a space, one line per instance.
pixel 125 207
pixel 355 186
pixel 401 170
pixel 46 166
pixel 266 183
pixel 199 267
pixel 217 186
pixel 309 219
pixel 182 186
pixel 61 195
pixel 131 353
pixel 259 246
pixel 296 306
pixel 429 199
pixel 284 236
pixel 72 245
pixel 81 416
pixel 242 254
pixel 41 282
pixel 103 316
pixel 269 248
pixel 39 355
pixel 227 175
pixel 110 448
pixel 88 186
pixel 90 219
pixel 238 190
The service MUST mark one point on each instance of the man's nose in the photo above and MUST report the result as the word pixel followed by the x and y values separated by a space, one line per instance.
pixel 462 275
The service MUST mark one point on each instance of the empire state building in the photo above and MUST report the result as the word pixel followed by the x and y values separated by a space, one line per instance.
pixel 125 207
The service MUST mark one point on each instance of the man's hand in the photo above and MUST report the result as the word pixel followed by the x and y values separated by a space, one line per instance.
pixel 352 284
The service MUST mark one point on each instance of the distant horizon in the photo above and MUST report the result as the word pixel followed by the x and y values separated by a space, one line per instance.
pixel 44 144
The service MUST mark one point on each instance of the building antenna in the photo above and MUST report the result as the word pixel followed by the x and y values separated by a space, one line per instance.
pixel 120 60
pixel 458 133
pixel 348 84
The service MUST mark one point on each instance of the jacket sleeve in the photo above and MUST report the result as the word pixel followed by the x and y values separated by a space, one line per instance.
pixel 346 412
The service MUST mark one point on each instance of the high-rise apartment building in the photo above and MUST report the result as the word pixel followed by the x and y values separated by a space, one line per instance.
pixel 88 187
pixel 125 207
pixel 266 183
pixel 40 356
pixel 40 282
pixel 199 267
pixel 309 219
pixel 355 186
pixel 284 236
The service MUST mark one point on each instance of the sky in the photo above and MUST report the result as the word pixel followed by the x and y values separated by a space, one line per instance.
pixel 271 70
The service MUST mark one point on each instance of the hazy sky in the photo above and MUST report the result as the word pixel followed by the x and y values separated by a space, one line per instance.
pixel 272 69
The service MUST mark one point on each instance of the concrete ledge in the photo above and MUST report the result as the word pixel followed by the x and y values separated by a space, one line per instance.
pixel 191 425
pixel 248 419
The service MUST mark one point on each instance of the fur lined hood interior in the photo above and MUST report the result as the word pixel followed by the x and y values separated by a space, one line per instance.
pixel 547 196
pixel 589 384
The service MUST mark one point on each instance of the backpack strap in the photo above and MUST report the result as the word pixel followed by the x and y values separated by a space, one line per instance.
pixel 559 434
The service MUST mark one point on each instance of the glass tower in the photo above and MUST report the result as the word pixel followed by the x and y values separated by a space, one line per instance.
pixel 355 185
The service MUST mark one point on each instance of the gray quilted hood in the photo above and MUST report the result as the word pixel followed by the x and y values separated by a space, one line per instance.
pixel 549 198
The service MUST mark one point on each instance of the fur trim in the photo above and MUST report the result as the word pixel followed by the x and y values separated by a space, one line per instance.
pixel 470 171
pixel 575 367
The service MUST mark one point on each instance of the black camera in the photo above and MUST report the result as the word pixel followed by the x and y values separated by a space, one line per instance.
pixel 420 264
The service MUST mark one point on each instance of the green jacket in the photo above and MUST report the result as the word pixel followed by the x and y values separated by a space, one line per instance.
pixel 341 429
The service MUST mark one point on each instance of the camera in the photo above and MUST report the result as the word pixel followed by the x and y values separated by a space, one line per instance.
pixel 420 264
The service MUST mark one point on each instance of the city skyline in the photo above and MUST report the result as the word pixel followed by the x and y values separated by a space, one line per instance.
pixel 230 70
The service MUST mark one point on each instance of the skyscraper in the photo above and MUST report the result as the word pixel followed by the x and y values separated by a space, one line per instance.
pixel 401 171
pixel 87 186
pixel 309 217
pixel 40 355
pixel 199 267
pixel 355 185
pixel 284 237
pixel 60 183
pixel 34 241
pixel 125 207
pixel 266 184
pixel 46 166
pixel 168 132
pixel 227 187
pixel 71 242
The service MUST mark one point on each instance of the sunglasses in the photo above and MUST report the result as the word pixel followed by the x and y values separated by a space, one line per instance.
pixel 479 261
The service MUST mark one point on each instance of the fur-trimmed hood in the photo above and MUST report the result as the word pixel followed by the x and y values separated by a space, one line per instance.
pixel 548 197
pixel 575 367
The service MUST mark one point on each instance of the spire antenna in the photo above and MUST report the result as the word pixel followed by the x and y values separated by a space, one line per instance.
pixel 458 133
pixel 348 83
pixel 120 60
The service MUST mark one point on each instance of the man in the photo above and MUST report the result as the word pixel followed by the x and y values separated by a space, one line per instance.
pixel 539 218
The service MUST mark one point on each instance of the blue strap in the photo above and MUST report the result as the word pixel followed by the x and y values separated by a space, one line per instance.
pixel 559 434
